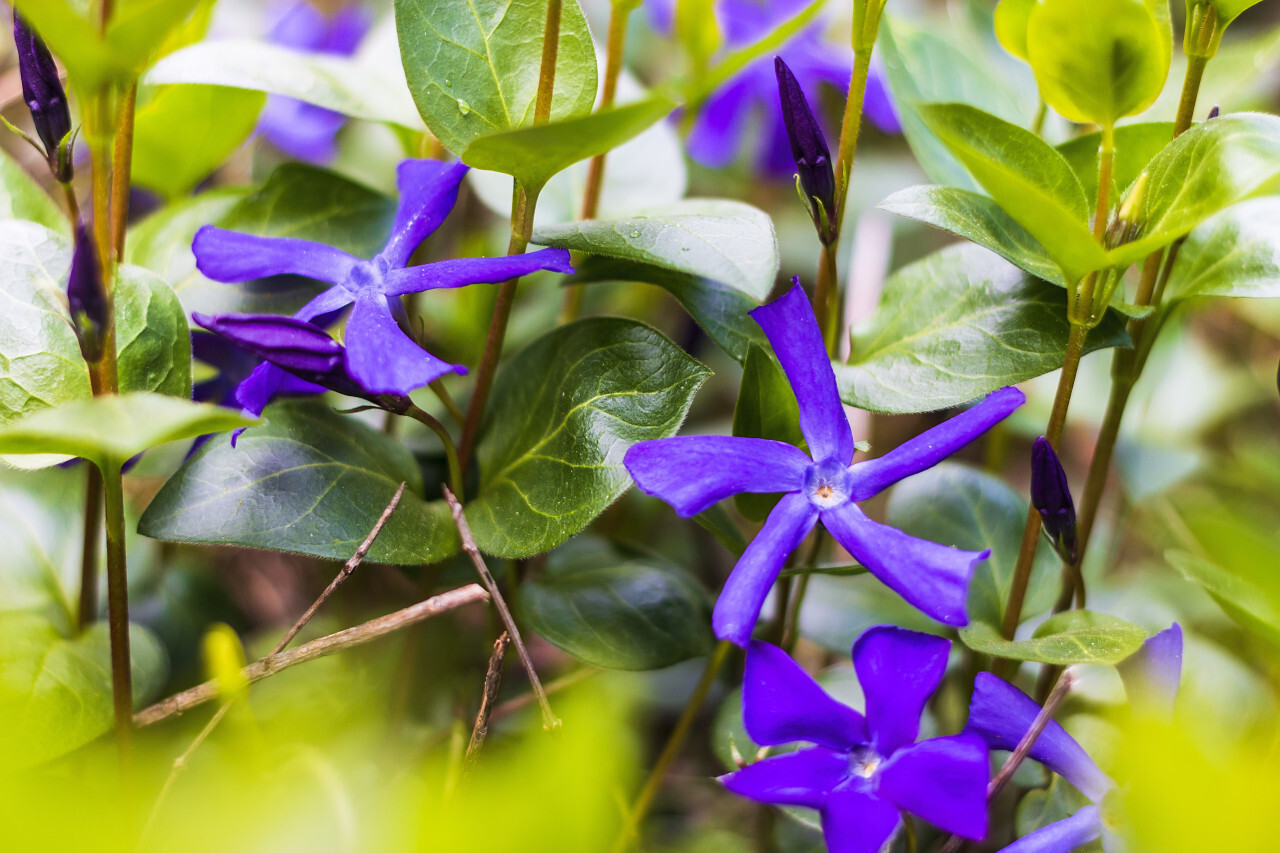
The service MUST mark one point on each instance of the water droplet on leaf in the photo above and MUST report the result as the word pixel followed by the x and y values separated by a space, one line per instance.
pixel 464 107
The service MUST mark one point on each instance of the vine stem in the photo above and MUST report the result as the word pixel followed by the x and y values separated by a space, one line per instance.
pixel 118 608
pixel 88 612
pixel 450 451
pixel 644 800
pixel 619 15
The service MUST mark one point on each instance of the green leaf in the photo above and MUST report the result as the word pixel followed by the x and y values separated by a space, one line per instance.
pixel 1100 60
pixel 309 481
pixel 1043 806
pixel 152 335
pixel 162 241
pixel 348 85
pixel 1236 253
pixel 1076 636
pixel 561 416
pixel 1205 170
pixel 42 563
pixel 837 610
pixel 955 326
pixel 1136 146
pixel 1241 597
pixel 969 509
pixel 695 26
pixel 114 428
pixel 1031 181
pixel 473 67
pixel 722 312
pixel 55 692
pixel 766 408
pixel 925 66
pixel 183 133
pixel 533 155
pixel 21 197
pixel 1011 20
pixel 617 611
pixel 726 241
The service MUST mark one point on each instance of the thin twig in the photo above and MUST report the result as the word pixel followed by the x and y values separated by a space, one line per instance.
pixel 322 647
pixel 492 681
pixel 549 720
pixel 1038 725
pixel 343 574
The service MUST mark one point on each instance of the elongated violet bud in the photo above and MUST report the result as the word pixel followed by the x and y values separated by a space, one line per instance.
pixel 814 171
pixel 1051 496
pixel 46 98
pixel 87 296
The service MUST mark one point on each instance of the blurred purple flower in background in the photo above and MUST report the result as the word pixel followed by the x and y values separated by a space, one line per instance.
pixel 297 128
pixel 382 359
pixel 1001 715
pixel 746 107
pixel 863 770
pixel 693 472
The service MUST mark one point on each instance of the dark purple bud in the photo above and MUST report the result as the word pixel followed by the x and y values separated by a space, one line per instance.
pixel 1213 113
pixel 809 148
pixel 303 349
pixel 87 296
pixel 1051 496
pixel 46 98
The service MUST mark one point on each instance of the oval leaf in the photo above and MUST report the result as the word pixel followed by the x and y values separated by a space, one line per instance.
pixel 1076 636
pixel 561 417
pixel 309 481
pixel 1236 253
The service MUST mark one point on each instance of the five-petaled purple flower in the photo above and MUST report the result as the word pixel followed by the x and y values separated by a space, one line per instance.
pixel 380 356
pixel 1001 715
pixel 692 473
pixel 297 128
pixel 864 771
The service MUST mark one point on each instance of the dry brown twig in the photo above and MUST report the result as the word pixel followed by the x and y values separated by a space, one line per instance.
pixel 492 681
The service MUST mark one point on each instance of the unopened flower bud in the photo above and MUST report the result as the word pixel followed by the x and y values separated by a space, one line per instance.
pixel 46 98
pixel 1213 113
pixel 1051 497
pixel 809 148
pixel 1127 225
pixel 87 296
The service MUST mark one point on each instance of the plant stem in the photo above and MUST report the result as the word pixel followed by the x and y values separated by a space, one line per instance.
pixel 450 451
pixel 73 206
pixel 644 800
pixel 88 613
pixel 118 608
pixel 121 165
pixel 827 298
pixel 1190 94
pixel 547 70
pixel 619 15
pixel 443 395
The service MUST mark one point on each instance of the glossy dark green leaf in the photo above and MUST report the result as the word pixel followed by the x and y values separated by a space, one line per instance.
pixel 114 428
pixel 533 155
pixel 1136 146
pixel 955 326
pixel 21 197
pixel 473 67
pixel 562 414
pixel 766 408
pixel 965 508
pixel 721 311
pixel 1076 636
pixel 1099 60
pixel 1236 253
pixel 309 481
pixel 1031 181
pixel 346 85
pixel 729 242
pixel 615 610
pixel 55 691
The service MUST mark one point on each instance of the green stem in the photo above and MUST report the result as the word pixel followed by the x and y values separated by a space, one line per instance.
pixel 1190 94
pixel 638 811
pixel 850 126
pixel 442 393
pixel 1042 112
pixel 826 297
pixel 88 612
pixel 118 608
pixel 450 451
pixel 121 166
pixel 547 70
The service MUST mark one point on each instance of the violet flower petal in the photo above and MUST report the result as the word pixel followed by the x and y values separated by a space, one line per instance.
pixel 792 329
pixel 943 780
pixel 800 778
pixel 933 577
pixel 1061 837
pixel 464 271
pixel 381 357
pixel 856 822
pixel 931 447
pixel 898 670
pixel 721 123
pixel 1002 714
pixel 1153 673
pixel 781 703
pixel 301 130
pixel 334 299
pixel 428 191
pixel 256 391
pixel 738 606
pixel 231 256
pixel 693 472
pixel 877 103
pixel 288 342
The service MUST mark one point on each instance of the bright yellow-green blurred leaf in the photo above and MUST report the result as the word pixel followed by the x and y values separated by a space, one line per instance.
pixel 1011 19
pixel 224 661
pixel 182 133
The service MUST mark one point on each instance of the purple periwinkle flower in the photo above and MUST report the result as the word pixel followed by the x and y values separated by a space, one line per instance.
pixel 1001 715
pixel 299 129
pixel 381 358
pixel 816 175
pixel 45 96
pixel 692 473
pixel 87 296
pixel 863 771
pixel 1051 496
